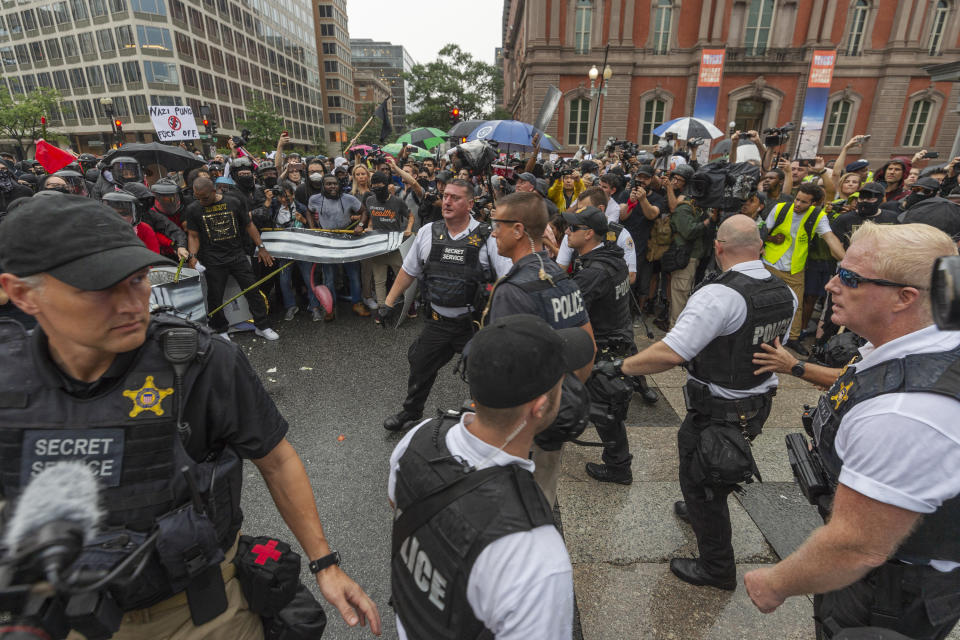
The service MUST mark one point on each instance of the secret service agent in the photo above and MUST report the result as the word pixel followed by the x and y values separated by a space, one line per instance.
pixel 468 512
pixel 605 286
pixel 98 371
pixel 453 259
pixel 888 440
pixel 535 285
pixel 720 328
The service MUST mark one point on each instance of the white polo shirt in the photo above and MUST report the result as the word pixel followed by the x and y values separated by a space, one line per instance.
pixel 521 585
pixel 903 449
pixel 716 310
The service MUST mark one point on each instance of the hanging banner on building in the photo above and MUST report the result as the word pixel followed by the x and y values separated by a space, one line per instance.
pixel 708 84
pixel 708 92
pixel 815 104
pixel 174 123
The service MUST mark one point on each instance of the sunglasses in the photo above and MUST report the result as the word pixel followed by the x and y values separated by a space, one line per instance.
pixel 852 279
pixel 578 227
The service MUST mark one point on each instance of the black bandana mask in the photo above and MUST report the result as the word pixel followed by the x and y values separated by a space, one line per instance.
pixel 269 181
pixel 867 209
pixel 915 198
pixel 244 181
pixel 381 191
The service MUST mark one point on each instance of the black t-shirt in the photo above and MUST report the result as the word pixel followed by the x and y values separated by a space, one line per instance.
pixel 639 225
pixel 304 191
pixel 390 215
pixel 222 227
pixel 845 224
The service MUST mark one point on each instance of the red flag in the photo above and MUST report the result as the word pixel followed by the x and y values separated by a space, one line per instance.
pixel 52 158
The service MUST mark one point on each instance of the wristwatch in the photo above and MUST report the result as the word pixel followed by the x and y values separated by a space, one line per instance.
pixel 799 369
pixel 261 246
pixel 318 565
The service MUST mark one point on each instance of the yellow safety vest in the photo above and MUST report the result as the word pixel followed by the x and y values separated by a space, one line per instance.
pixel 801 244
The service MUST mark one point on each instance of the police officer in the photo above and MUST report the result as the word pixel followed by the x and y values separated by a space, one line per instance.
pixel 475 550
pixel 453 258
pixel 98 370
pixel 717 334
pixel 535 285
pixel 889 441
pixel 605 287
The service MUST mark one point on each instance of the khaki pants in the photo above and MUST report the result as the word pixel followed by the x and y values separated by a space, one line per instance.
pixel 681 285
pixel 170 619
pixel 795 282
pixel 547 471
pixel 378 265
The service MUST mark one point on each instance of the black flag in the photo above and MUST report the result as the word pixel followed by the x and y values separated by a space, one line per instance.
pixel 384 114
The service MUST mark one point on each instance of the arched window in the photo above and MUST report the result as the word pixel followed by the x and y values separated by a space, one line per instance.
pixel 579 121
pixel 917 123
pixel 759 19
pixel 653 111
pixel 937 27
pixel 662 21
pixel 583 25
pixel 837 122
pixel 858 25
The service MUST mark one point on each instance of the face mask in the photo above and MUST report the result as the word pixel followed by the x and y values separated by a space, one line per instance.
pixel 316 179
pixel 867 209
pixel 914 198
pixel 381 192
pixel 269 182
pixel 58 189
pixel 244 181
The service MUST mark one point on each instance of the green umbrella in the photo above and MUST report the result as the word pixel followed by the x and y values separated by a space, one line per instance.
pixel 394 149
pixel 426 137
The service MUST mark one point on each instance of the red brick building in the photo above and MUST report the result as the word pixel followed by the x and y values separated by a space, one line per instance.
pixel 879 84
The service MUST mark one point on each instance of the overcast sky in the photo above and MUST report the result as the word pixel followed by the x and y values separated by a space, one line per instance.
pixel 423 27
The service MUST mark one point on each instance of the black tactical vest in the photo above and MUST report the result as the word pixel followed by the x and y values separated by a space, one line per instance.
pixel 452 272
pixel 429 574
pixel 938 535
pixel 128 436
pixel 610 314
pixel 560 302
pixel 728 360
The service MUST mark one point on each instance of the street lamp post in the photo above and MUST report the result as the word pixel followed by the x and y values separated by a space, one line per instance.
pixel 107 104
pixel 596 93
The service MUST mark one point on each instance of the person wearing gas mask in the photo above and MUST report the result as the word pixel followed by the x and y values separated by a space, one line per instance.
pixel 241 170
pixel 868 208
pixel 333 209
pixel 171 239
pixel 130 209
pixel 122 169
pixel 168 200
pixel 387 213
pixel 10 189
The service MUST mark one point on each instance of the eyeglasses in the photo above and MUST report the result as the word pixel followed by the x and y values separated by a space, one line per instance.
pixel 578 227
pixel 852 279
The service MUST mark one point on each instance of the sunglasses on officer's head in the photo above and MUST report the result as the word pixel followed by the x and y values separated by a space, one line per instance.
pixel 852 279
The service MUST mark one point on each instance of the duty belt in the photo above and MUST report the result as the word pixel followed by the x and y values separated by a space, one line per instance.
pixel 698 398
pixel 466 318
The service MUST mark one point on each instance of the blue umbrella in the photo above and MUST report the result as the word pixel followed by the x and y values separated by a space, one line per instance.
pixel 512 135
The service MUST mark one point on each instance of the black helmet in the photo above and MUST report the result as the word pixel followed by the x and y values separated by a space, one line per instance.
pixel 92 175
pixel 685 171
pixel 143 195
pixel 75 182
pixel 266 165
pixel 87 161
pixel 125 169
pixel 167 196
pixel 124 204
pixel 238 164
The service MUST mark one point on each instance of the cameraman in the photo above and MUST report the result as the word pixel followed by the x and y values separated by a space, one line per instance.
pixel 889 441
pixel 566 188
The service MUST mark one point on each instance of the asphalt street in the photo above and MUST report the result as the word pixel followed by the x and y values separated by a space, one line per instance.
pixel 335 383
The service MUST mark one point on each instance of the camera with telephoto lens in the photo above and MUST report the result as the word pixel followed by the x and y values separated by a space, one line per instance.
pixel 837 205
pixel 695 142
pixel 376 155
pixel 945 293
pixel 776 136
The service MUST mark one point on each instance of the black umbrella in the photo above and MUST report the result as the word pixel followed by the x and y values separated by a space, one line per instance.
pixel 172 157
pixel 464 129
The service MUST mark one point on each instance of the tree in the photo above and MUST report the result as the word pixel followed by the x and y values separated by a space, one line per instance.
pixel 370 135
pixel 20 116
pixel 454 79
pixel 265 124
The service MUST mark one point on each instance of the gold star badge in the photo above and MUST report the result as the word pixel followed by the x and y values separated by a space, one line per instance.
pixel 147 398
pixel 841 395
pixel 473 240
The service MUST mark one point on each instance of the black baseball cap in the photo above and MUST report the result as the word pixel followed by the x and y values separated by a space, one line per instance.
pixel 74 239
pixel 644 169
pixel 517 358
pixel 526 176
pixel 589 216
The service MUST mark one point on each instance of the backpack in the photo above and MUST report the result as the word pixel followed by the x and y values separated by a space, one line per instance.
pixel 661 235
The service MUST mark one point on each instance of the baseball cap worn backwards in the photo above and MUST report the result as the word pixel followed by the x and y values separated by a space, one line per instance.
pixel 520 357
pixel 74 239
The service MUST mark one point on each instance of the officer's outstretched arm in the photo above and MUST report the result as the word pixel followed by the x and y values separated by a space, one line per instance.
pixel 860 535
pixel 290 488
pixel 400 284
pixel 654 359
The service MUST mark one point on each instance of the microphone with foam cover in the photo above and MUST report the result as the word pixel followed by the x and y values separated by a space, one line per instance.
pixel 55 515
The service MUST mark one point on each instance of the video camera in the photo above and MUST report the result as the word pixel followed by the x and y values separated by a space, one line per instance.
pixel 693 143
pixel 627 149
pixel 241 140
pixel 777 136
pixel 478 155
pixel 724 186
pixel 375 155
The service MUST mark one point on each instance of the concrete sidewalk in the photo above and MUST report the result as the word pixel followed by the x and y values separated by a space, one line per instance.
pixel 621 538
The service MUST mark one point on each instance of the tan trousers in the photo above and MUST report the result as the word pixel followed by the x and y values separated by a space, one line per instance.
pixel 170 619
pixel 795 282
pixel 378 265
pixel 547 471
pixel 681 285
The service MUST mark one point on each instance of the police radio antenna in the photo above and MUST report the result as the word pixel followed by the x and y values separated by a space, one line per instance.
pixel 543 275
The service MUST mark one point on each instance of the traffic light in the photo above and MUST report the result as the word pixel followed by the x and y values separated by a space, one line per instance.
pixel 118 126
pixel 43 121
pixel 454 115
